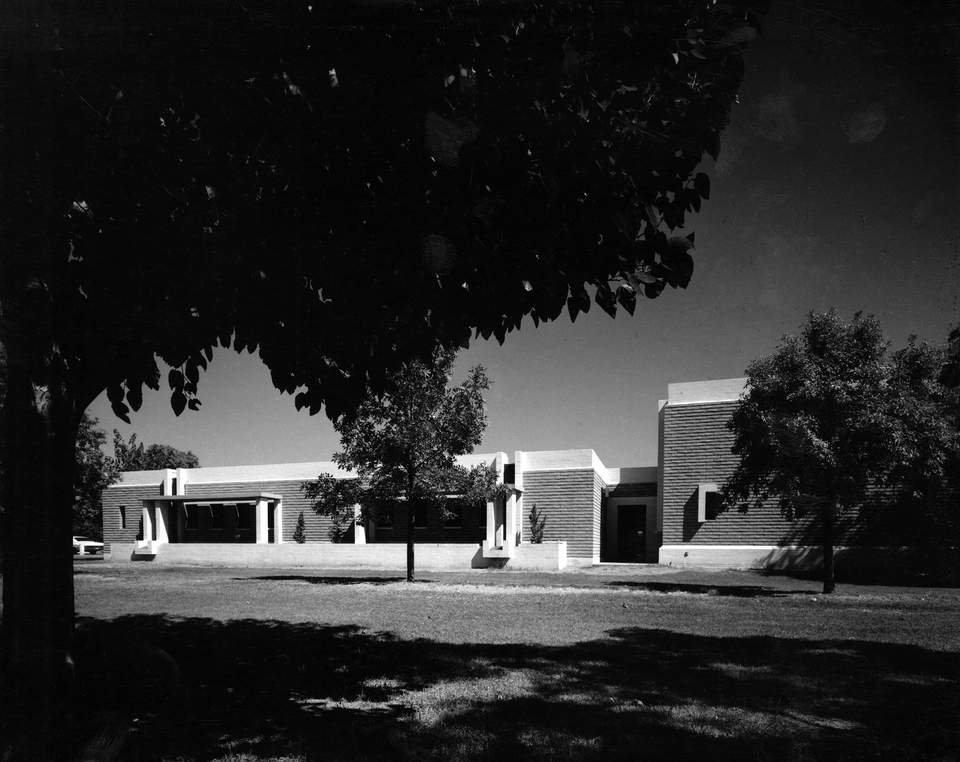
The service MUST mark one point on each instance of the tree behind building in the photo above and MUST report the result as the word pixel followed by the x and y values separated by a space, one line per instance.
pixel 828 420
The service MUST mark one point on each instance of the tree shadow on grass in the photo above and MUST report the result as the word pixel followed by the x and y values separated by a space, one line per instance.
pixel 330 580
pixel 200 689
pixel 737 591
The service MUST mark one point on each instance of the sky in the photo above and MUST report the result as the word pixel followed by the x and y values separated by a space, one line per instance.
pixel 837 186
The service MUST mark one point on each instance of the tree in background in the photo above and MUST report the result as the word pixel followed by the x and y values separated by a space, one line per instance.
pixel 264 176
pixel 925 475
pixel 403 446
pixel 827 419
pixel 131 456
pixel 95 472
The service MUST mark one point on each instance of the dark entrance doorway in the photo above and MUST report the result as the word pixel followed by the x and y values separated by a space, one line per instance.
pixel 631 534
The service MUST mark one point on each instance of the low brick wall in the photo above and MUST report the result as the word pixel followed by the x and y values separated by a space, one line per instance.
pixel 855 559
pixel 428 556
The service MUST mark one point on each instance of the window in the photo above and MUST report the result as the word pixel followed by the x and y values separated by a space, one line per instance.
pixel 192 512
pixel 708 501
pixel 384 518
pixel 243 516
pixel 216 517
pixel 713 505
pixel 453 515
pixel 419 516
pixel 123 517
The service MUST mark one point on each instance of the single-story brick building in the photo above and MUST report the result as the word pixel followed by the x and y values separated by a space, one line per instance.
pixel 665 513
pixel 250 513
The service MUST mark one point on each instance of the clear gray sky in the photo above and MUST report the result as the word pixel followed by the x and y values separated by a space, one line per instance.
pixel 837 186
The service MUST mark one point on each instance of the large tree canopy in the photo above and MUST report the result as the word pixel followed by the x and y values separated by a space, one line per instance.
pixel 339 185
pixel 262 174
pixel 830 418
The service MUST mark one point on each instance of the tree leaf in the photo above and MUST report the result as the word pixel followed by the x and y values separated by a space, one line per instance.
pixel 445 138
pixel 178 401
pixel 627 298
pixel 121 411
pixel 135 395
pixel 605 298
pixel 701 183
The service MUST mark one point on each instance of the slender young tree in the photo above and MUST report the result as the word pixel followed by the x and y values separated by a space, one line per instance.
pixel 403 446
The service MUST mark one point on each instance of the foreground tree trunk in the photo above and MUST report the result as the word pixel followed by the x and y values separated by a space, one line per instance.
pixel 826 516
pixel 42 407
pixel 36 665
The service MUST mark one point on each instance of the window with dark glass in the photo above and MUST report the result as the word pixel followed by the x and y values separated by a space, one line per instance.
pixel 192 513
pixel 419 516
pixel 712 501
pixel 244 514
pixel 216 517
pixel 384 518
pixel 123 517
pixel 453 515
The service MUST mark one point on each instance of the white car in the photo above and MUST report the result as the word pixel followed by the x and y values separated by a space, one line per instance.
pixel 84 545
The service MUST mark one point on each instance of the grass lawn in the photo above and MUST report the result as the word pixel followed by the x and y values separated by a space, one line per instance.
pixel 197 664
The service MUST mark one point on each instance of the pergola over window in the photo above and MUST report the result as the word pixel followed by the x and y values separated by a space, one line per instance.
pixel 167 518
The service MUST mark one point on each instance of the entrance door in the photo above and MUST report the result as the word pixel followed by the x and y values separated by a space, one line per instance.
pixel 271 520
pixel 632 534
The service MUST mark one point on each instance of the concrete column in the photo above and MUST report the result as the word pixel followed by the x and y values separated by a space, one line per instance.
pixel 183 476
pixel 510 520
pixel 518 469
pixel 359 530
pixel 491 539
pixel 498 523
pixel 263 528
pixel 521 518
pixel 147 520
pixel 278 522
pixel 162 519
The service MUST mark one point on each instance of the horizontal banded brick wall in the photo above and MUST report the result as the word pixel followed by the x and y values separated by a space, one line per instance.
pixel 570 501
pixel 131 498
pixel 317 528
pixel 697 449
